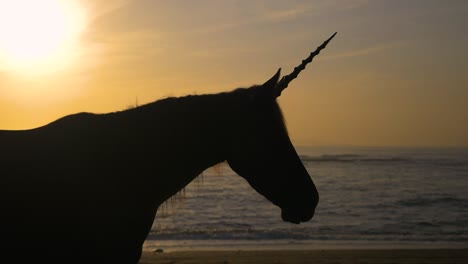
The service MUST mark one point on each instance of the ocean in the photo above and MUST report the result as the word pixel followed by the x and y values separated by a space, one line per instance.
pixel 369 198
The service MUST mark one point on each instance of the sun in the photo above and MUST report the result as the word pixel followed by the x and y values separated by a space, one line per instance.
pixel 39 35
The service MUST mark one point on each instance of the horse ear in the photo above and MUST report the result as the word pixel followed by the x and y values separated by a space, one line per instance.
pixel 270 84
pixel 268 89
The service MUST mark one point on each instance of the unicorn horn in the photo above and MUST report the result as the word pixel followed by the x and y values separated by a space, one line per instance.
pixel 284 82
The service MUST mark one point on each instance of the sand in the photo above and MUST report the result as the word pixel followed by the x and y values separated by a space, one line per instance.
pixel 408 256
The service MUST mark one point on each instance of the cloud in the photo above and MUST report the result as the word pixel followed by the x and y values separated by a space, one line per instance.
pixel 270 12
pixel 363 51
pixel 282 15
pixel 259 16
pixel 98 8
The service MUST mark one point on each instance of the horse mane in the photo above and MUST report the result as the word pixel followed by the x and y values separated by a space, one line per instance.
pixel 233 96
pixel 206 100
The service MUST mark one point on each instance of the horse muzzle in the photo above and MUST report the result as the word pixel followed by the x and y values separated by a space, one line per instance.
pixel 296 216
pixel 297 212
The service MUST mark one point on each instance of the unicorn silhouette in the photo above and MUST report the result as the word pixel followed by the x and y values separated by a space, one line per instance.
pixel 86 187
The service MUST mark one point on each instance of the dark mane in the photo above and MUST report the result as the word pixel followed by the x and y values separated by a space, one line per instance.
pixel 234 100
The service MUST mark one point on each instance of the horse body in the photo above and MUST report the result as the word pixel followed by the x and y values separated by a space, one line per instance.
pixel 89 185
pixel 86 188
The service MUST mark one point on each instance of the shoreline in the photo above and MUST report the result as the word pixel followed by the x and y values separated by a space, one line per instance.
pixel 336 256
pixel 294 245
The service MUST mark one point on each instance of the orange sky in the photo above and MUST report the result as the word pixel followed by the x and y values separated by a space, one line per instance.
pixel 395 74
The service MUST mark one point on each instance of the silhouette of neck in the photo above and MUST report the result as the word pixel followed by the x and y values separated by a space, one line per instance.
pixel 189 133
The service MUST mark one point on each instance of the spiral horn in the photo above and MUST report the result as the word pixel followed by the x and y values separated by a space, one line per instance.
pixel 284 82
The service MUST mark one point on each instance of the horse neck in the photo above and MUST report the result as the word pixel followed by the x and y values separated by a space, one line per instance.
pixel 198 125
pixel 189 136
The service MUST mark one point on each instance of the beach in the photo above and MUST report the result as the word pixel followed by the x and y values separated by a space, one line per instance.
pixel 407 256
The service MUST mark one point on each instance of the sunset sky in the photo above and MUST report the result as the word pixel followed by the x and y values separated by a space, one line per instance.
pixel 396 74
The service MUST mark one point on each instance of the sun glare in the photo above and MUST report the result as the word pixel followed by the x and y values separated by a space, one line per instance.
pixel 39 35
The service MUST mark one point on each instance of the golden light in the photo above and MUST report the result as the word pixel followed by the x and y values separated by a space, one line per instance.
pixel 39 36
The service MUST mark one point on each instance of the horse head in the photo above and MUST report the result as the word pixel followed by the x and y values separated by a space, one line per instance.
pixel 262 153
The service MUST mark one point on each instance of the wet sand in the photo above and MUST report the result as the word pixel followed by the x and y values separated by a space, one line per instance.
pixel 407 256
